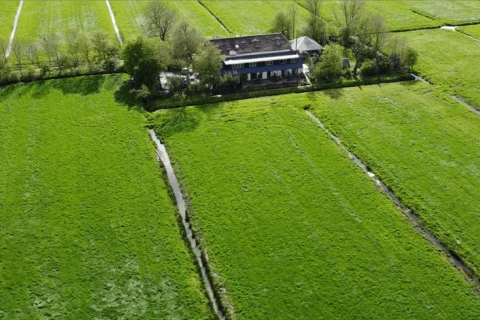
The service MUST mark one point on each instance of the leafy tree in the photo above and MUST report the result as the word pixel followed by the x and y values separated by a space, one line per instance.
pixel 282 24
pixel 3 50
pixel 73 46
pixel 32 52
pixel 208 64
pixel 51 46
pixel 317 27
pixel 186 42
pixel 160 18
pixel 141 62
pixel 106 51
pixel 402 56
pixel 330 69
pixel 351 15
pixel 379 32
pixel 84 49
pixel 18 50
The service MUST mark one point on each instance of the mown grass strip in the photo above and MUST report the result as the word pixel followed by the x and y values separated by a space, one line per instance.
pixel 87 229
pixel 292 228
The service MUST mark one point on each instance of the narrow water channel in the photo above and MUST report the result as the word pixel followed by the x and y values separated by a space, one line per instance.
pixel 453 257
pixel 162 156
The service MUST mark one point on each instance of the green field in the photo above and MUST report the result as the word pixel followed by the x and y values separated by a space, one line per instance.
pixel 87 229
pixel 128 15
pixel 44 17
pixel 473 31
pixel 448 59
pixel 448 12
pixel 249 16
pixel 7 16
pixel 293 228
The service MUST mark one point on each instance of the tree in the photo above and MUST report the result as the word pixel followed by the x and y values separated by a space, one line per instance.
pixel 282 24
pixel 186 42
pixel 73 46
pixel 330 69
pixel 85 48
pixel 208 64
pixel 402 56
pixel 18 50
pixel 3 50
pixel 105 50
pixel 160 18
pixel 141 63
pixel 32 52
pixel 379 32
pixel 352 13
pixel 316 26
pixel 51 46
pixel 293 17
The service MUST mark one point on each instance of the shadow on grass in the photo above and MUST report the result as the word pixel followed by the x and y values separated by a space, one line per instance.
pixel 335 94
pixel 124 97
pixel 176 120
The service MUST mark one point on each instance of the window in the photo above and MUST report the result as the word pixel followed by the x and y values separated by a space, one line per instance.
pixel 269 63
pixel 252 64
pixel 294 60
pixel 237 66
pixel 284 61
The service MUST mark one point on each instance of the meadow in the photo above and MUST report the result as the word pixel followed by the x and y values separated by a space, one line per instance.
pixel 7 16
pixel 448 59
pixel 293 228
pixel 40 18
pixel 473 31
pixel 87 228
pixel 129 16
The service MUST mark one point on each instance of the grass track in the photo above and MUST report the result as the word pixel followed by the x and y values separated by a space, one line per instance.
pixel 448 59
pixel 44 17
pixel 87 229
pixel 130 20
pixel 8 9
pixel 293 228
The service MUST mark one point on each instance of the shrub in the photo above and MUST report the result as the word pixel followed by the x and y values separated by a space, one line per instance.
pixel 369 68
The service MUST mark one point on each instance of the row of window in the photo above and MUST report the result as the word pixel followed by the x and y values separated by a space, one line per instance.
pixel 268 63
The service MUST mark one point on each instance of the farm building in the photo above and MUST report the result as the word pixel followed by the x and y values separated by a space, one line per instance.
pixel 260 56
pixel 306 46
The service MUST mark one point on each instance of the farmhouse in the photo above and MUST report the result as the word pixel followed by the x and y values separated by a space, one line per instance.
pixel 260 56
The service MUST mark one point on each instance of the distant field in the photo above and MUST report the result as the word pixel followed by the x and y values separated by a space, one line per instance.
pixel 87 229
pixel 449 12
pixel 249 16
pixel 473 31
pixel 44 17
pixel 448 59
pixel 7 16
pixel 131 24
pixel 293 228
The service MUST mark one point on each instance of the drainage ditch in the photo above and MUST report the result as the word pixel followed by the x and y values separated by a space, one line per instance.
pixel 162 156
pixel 15 23
pixel 455 260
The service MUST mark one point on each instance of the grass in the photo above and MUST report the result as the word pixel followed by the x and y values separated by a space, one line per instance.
pixel 131 24
pixel 44 17
pixel 449 12
pixel 7 16
pixel 251 16
pixel 293 228
pixel 448 59
pixel 87 229
pixel 473 31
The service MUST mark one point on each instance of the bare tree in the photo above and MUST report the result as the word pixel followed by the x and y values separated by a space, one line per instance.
pixel 18 50
pixel 3 50
pixel 282 24
pixel 351 15
pixel 73 46
pixel 293 17
pixel 379 32
pixel 186 42
pixel 313 7
pixel 51 46
pixel 32 52
pixel 160 18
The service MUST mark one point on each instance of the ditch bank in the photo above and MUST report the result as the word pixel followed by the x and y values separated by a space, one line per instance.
pixel 163 158
pixel 452 256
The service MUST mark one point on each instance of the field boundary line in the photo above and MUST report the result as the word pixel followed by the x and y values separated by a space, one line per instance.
pixel 215 17
pixel 466 104
pixel 15 23
pixel 163 158
pixel 114 22
pixel 455 260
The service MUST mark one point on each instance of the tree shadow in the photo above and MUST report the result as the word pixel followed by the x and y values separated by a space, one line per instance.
pixel 124 96
pixel 176 120
pixel 335 94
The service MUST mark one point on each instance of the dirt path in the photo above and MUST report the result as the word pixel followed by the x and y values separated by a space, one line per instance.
pixel 15 23
pixel 162 156
pixel 454 259
pixel 115 27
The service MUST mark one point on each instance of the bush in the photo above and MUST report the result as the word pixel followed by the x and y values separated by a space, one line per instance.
pixel 369 68
pixel 195 89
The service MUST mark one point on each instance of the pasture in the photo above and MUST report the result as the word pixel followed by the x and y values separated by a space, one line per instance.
pixel 293 228
pixel 473 31
pixel 87 228
pixel 129 16
pixel 448 59
pixel 7 15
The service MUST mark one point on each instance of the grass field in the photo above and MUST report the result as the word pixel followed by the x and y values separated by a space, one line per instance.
pixel 293 228
pixel 249 16
pixel 449 12
pixel 425 146
pixel 87 229
pixel 7 16
pixel 131 24
pixel 473 31
pixel 45 17
pixel 448 59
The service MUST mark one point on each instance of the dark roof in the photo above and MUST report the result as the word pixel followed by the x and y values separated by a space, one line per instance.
pixel 252 44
